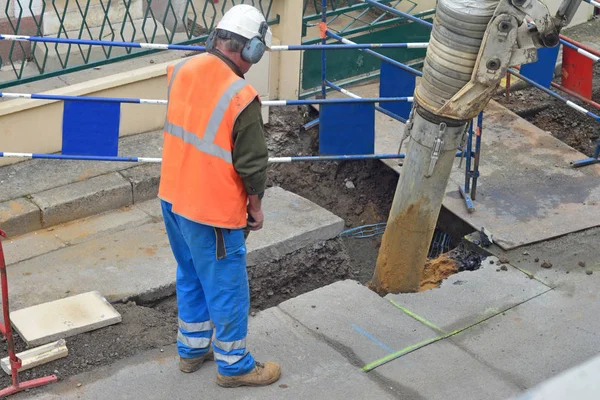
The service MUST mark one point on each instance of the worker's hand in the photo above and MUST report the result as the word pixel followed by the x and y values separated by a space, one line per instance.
pixel 255 218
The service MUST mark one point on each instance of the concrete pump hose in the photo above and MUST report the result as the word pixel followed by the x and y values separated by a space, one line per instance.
pixel 455 41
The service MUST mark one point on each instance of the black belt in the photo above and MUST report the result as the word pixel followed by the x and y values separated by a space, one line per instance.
pixel 220 239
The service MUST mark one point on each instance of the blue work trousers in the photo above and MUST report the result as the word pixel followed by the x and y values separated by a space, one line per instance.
pixel 211 292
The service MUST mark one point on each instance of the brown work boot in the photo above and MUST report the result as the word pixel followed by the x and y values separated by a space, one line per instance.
pixel 188 365
pixel 262 375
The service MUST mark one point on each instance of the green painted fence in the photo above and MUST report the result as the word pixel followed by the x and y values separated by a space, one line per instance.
pixel 344 64
pixel 366 24
pixel 151 21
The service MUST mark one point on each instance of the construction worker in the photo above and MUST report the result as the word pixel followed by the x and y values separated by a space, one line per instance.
pixel 212 179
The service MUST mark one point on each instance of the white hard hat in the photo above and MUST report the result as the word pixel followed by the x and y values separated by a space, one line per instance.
pixel 246 21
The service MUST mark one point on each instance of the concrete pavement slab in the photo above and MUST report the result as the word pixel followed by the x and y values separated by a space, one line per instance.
pixel 356 321
pixel 515 201
pixel 19 216
pixel 34 176
pixel 44 241
pixel 82 199
pixel 538 339
pixel 291 223
pixel 469 297
pixel 30 245
pixel 150 207
pixel 527 188
pixel 442 371
pixel 310 370
pixel 129 263
pixel 580 382
pixel 100 225
pixel 572 257
pixel 60 319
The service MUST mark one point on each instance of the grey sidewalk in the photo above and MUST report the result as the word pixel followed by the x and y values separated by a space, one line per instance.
pixel 467 340
pixel 311 370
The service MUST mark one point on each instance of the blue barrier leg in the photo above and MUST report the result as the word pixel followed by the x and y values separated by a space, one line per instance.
pixel 468 158
pixel 477 156
pixel 468 201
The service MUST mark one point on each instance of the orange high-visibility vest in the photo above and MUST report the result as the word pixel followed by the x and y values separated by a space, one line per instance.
pixel 197 173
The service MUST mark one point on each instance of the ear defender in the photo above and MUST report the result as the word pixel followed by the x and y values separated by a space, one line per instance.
pixel 255 48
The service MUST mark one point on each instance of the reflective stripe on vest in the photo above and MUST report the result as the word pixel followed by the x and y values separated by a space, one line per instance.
pixel 175 71
pixel 197 174
pixel 206 144
pixel 200 144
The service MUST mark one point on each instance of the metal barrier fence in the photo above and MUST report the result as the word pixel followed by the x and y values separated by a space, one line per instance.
pixel 150 21
pixel 364 23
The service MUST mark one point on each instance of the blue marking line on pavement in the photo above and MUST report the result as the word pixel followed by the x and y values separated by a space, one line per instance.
pixel 373 338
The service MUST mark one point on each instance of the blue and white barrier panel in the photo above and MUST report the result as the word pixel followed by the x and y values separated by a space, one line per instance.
pixel 569 103
pixel 375 54
pixel 581 51
pixel 159 46
pixel 272 160
pixel 399 13
pixel 592 2
pixel 266 103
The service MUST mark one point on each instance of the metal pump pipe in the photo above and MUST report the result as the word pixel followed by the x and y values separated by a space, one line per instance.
pixel 472 44
pixel 453 49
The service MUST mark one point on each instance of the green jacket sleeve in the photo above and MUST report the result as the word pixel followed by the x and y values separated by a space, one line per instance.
pixel 250 153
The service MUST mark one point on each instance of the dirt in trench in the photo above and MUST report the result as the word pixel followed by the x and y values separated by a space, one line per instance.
pixel 360 192
pixel 552 115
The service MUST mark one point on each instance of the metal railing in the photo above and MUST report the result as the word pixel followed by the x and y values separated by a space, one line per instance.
pixel 358 19
pixel 150 21
pixel 361 16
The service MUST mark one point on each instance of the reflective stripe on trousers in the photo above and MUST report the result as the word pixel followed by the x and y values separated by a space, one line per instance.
pixel 210 292
pixel 195 336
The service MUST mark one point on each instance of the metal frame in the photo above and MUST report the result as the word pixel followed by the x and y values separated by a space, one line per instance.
pixel 469 190
pixel 6 329
pixel 358 25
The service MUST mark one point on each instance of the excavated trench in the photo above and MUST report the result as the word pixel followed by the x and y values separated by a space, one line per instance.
pixel 360 192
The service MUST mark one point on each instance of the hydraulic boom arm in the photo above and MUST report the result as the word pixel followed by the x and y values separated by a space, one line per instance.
pixel 509 40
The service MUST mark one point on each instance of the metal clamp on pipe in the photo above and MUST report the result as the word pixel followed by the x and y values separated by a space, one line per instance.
pixel 470 51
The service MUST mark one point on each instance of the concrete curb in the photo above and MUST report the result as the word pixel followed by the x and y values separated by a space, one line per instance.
pixel 83 199
pixel 77 200
pixel 19 216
